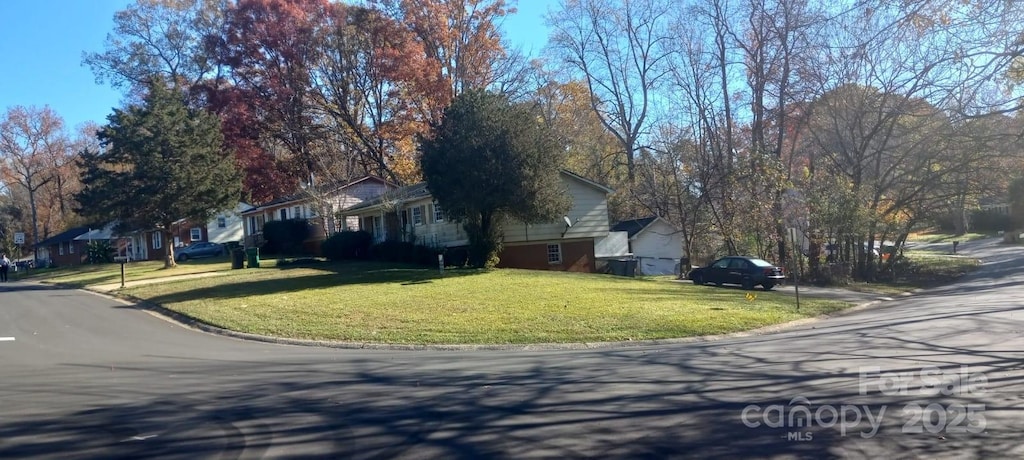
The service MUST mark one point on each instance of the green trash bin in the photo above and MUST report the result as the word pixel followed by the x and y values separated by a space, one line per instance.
pixel 237 258
pixel 253 256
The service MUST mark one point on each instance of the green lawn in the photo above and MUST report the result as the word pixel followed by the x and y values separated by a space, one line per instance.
pixel 364 302
pixel 90 275
pixel 921 268
pixel 927 268
pixel 946 237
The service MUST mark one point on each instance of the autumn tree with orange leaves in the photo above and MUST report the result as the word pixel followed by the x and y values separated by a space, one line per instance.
pixel 461 36
pixel 375 84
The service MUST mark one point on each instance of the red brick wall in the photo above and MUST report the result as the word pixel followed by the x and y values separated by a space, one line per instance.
pixel 577 256
pixel 79 257
pixel 183 231
pixel 154 253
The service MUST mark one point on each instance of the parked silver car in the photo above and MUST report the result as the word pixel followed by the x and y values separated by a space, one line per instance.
pixel 199 250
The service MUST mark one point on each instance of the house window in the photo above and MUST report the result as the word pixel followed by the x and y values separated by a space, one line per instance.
pixel 378 228
pixel 71 247
pixel 158 241
pixel 222 222
pixel 196 234
pixel 297 212
pixel 554 253
pixel 284 213
pixel 252 225
pixel 438 213
pixel 60 249
pixel 417 216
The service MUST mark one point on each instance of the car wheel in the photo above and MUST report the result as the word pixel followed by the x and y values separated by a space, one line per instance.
pixel 698 279
pixel 182 258
pixel 748 284
pixel 768 286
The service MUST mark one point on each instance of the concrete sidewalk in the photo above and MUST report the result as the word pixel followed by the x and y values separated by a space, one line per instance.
pixel 165 279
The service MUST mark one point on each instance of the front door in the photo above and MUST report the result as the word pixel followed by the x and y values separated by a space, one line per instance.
pixel 392 226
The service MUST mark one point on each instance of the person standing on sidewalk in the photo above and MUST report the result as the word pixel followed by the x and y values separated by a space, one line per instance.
pixel 5 265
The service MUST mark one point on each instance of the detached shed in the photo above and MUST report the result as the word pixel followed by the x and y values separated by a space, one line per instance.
pixel 655 243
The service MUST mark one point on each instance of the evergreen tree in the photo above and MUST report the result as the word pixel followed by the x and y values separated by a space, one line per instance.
pixel 159 162
pixel 488 161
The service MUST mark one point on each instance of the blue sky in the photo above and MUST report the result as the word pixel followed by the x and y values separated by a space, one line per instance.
pixel 41 45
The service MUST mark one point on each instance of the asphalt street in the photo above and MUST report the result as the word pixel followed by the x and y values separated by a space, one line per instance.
pixel 935 375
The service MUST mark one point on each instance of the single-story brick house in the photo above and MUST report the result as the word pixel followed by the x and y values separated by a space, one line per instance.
pixel 64 248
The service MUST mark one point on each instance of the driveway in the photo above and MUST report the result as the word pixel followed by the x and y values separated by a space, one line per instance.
pixel 88 377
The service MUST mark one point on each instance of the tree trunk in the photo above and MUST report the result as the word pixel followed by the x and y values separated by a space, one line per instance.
pixel 168 240
pixel 35 221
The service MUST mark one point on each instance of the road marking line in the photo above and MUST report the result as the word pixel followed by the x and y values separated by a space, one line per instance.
pixel 6 339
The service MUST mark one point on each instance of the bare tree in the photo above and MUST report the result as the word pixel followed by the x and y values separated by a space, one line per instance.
pixel 30 139
pixel 619 49
pixel 159 38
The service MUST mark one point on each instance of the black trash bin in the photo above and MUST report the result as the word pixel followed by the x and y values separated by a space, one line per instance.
pixel 237 258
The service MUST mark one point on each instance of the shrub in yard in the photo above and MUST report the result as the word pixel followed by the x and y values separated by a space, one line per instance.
pixel 100 252
pixel 990 221
pixel 298 262
pixel 403 252
pixel 456 257
pixel 347 245
pixel 285 236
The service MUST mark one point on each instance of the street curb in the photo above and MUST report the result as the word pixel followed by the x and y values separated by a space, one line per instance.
pixel 195 324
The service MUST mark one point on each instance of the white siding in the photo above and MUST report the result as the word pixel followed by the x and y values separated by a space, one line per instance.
pixel 614 244
pixel 432 233
pixel 345 198
pixel 658 240
pixel 589 217
pixel 358 193
pixel 234 229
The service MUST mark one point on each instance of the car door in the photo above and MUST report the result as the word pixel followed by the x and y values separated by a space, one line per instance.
pixel 737 270
pixel 207 249
pixel 198 250
pixel 718 271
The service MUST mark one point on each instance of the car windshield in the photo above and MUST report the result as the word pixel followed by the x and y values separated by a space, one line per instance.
pixel 761 263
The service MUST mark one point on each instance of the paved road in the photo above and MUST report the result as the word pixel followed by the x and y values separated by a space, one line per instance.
pixel 86 377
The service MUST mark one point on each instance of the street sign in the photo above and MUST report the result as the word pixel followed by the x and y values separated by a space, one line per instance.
pixel 19 237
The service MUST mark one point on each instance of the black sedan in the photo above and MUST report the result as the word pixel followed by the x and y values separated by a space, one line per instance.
pixel 197 250
pixel 744 271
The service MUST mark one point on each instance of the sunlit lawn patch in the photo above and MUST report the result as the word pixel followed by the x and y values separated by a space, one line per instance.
pixel 367 302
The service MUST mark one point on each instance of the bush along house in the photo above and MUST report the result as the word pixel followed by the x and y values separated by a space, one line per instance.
pixel 309 206
pixel 410 214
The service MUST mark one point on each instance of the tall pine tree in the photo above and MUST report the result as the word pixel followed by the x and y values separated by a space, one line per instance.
pixel 159 162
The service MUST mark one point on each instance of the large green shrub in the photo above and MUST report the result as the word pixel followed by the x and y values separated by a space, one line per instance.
pixel 285 236
pixel 456 257
pixel 99 252
pixel 990 221
pixel 403 252
pixel 347 245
